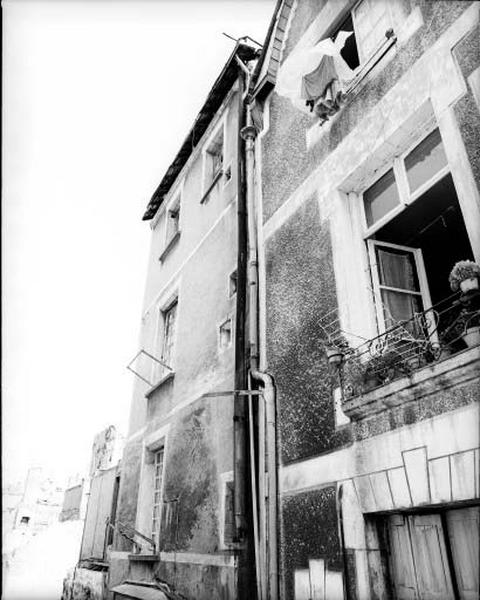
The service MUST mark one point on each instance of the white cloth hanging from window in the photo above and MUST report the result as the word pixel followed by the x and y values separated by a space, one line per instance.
pixel 319 69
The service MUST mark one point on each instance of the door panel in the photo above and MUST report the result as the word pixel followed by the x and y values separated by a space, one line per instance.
pixel 430 558
pixel 463 533
pixel 402 559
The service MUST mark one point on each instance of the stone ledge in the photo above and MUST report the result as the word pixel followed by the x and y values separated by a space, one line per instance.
pixel 159 384
pixel 173 242
pixel 150 558
pixel 450 372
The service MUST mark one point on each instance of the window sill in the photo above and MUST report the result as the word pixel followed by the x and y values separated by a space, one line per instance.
pixel 211 186
pixel 169 376
pixel 169 246
pixel 450 372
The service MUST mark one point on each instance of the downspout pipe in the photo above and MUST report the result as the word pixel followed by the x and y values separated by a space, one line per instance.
pixel 249 133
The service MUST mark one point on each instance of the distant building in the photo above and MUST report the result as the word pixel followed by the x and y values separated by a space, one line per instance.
pixel 40 502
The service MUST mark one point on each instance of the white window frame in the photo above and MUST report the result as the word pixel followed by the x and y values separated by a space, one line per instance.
pixel 155 533
pixel 423 293
pixel 221 125
pixel 152 443
pixel 174 203
pixel 406 197
pixel 158 371
pixel 362 56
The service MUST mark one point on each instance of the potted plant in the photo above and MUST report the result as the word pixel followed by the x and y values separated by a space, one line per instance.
pixel 464 276
pixel 471 327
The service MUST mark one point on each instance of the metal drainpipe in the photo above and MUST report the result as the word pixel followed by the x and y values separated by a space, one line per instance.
pixel 249 133
pixel 239 407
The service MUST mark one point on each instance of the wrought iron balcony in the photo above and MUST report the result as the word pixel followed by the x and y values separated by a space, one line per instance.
pixel 445 329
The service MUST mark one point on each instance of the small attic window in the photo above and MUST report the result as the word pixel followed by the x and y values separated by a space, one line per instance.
pixel 214 158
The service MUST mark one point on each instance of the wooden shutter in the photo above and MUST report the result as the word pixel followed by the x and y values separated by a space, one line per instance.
pixel 463 533
pixel 430 558
pixel 401 559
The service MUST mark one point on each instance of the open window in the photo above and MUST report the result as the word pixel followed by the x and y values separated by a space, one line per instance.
pixel 166 340
pixel 414 231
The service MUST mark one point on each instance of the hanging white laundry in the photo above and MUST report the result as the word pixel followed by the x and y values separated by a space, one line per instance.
pixel 304 62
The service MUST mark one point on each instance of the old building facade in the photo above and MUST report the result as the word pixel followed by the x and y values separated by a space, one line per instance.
pixel 176 492
pixel 367 195
pixel 305 420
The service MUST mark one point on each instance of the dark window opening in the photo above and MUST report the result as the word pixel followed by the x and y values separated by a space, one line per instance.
pixel 349 52
pixel 434 223
pixel 25 520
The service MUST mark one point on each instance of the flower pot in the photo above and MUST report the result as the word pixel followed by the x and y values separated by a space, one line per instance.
pixel 472 336
pixel 469 284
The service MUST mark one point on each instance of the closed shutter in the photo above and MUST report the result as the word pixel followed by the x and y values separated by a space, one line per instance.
pixel 463 532
pixel 402 559
pixel 430 557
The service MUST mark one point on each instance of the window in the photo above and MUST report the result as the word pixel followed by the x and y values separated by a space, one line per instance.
pixel 213 161
pixel 232 284
pixel 168 318
pixel 434 555
pixel 414 231
pixel 370 23
pixel 173 221
pixel 157 493
pixel 225 334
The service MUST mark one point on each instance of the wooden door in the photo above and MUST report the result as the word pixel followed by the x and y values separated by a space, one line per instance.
pixel 463 534
pixel 403 570
pixel 430 558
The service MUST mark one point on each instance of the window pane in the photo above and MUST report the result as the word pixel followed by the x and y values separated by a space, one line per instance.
pixel 396 268
pixel 371 23
pixel 380 198
pixel 425 160
pixel 399 307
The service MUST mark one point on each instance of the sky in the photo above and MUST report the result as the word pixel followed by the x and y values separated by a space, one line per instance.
pixel 98 96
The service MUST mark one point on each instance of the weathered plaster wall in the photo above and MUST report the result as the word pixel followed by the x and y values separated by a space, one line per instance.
pixel 310 531
pixel 300 292
pixel 202 582
pixel 128 492
pixel 196 432
pixel 467 53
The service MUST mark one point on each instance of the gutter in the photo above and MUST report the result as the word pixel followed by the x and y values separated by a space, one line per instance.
pixel 267 427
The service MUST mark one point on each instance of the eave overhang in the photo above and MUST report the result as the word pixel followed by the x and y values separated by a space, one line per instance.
pixel 221 87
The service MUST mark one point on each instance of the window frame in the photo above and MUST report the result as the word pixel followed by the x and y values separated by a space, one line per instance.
pixel 209 181
pixel 159 372
pixel 362 57
pixel 406 198
pixel 159 505
pixel 174 205
pixel 423 292
pixel 403 188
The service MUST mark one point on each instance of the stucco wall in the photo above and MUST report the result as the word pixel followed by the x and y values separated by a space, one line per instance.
pixel 300 292
pixel 285 159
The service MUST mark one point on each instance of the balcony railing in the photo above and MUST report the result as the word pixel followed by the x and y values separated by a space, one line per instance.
pixel 449 327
